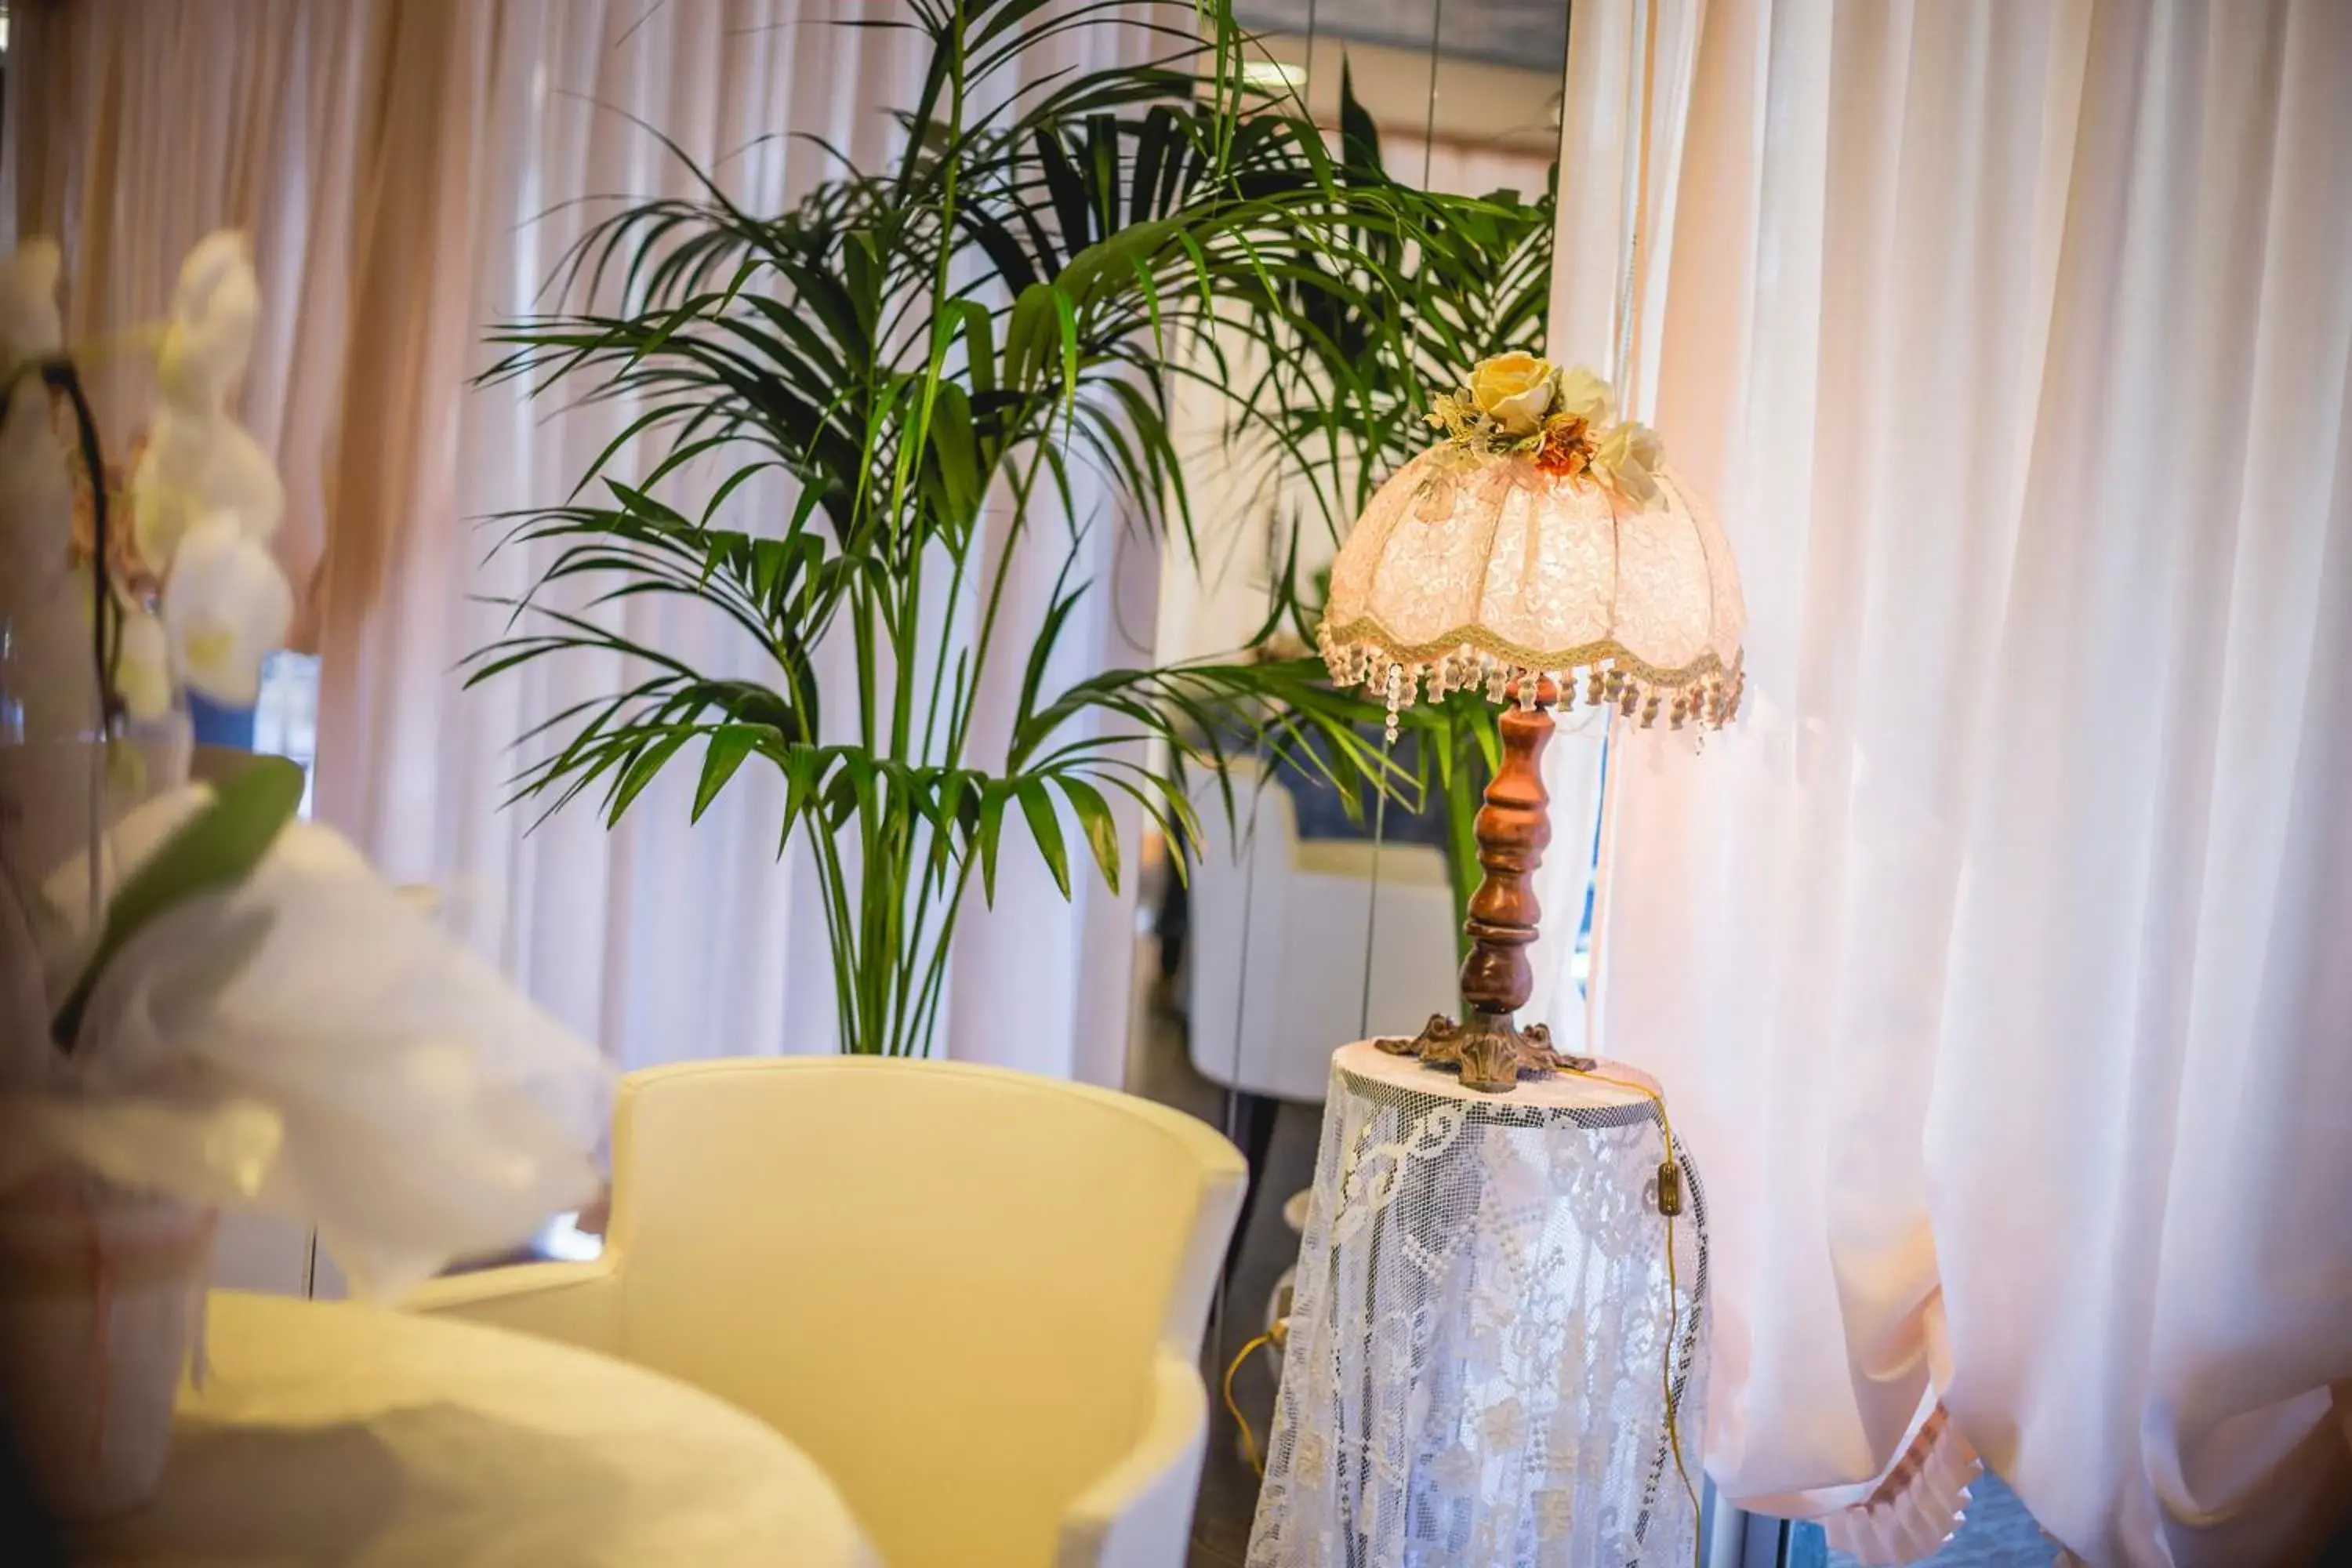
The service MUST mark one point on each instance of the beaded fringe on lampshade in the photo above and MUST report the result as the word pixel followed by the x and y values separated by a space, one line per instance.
pixel 1477 575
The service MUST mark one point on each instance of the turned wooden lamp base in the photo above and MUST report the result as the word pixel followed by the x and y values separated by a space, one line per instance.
pixel 1514 826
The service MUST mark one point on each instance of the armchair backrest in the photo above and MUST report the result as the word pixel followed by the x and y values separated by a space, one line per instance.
pixel 945 1282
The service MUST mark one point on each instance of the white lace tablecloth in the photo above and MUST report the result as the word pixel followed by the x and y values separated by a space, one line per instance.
pixel 1484 1340
pixel 336 1433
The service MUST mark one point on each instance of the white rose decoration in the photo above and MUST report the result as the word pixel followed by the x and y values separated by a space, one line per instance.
pixel 1587 396
pixel 1628 456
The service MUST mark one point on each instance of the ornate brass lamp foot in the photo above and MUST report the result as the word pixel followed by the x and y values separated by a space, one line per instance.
pixel 1492 1053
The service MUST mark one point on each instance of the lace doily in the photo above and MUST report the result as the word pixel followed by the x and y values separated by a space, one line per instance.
pixel 1484 1341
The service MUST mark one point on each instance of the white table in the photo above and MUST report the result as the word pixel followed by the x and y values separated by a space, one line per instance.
pixel 1485 1328
pixel 336 1433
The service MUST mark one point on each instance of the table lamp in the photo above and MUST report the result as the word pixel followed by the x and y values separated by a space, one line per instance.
pixel 1540 538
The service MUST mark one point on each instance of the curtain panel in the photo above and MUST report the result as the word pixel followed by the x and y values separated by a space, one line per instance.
pixel 133 131
pixel 1997 963
pixel 410 173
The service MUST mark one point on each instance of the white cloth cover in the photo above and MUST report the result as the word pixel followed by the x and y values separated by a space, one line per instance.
pixel 309 1043
pixel 1998 954
pixel 1484 1336
pixel 335 1433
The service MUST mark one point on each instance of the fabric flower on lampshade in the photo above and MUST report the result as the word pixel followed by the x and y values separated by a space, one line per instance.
pixel 1628 455
pixel 1515 391
pixel 1541 540
pixel 1519 405
pixel 1586 396
pixel 204 497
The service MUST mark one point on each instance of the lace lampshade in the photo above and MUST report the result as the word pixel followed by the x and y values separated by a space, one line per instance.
pixel 1477 571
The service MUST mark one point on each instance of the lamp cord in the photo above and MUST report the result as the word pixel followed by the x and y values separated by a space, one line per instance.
pixel 1248 858
pixel 1249 1442
pixel 1372 899
pixel 1673 1301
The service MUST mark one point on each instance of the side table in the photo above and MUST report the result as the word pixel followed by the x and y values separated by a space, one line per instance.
pixel 1489 1330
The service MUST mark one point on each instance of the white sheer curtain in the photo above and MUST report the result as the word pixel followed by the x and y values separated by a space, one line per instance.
pixel 437 152
pixel 136 127
pixel 660 939
pixel 1996 965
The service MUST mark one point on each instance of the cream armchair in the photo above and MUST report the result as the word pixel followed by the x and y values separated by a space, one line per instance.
pixel 975 1298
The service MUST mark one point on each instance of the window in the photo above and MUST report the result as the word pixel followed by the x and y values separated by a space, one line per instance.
pixel 286 717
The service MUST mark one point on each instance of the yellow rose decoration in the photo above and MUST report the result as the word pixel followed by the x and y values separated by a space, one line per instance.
pixel 1514 390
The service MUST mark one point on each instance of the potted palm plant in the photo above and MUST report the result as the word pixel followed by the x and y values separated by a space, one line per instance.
pixel 929 350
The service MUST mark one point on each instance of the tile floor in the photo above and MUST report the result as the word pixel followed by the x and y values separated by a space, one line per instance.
pixel 1221 1524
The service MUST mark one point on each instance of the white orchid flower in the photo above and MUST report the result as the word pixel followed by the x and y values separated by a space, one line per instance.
pixel 199 460
pixel 210 335
pixel 227 607
pixel 142 667
pixel 195 467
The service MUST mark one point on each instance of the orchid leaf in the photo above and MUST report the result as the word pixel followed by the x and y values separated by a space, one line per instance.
pixel 213 851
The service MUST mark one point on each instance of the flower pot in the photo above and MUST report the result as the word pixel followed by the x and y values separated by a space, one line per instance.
pixel 100 1296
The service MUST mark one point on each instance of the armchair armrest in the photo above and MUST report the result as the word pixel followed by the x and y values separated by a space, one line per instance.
pixel 575 1303
pixel 1139 1514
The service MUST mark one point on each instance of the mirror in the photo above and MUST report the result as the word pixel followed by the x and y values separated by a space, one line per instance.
pixel 1305 927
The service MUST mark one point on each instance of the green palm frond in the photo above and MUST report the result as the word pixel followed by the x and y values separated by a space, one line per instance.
pixel 1368 333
